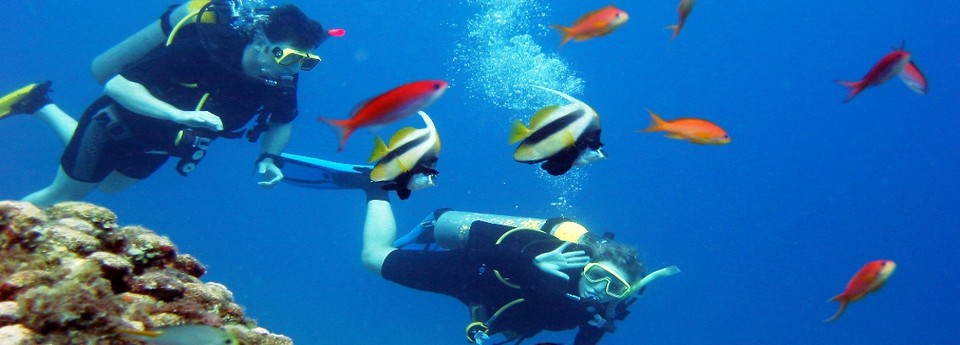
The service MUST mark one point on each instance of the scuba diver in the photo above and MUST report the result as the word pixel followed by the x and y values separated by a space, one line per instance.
pixel 204 70
pixel 518 276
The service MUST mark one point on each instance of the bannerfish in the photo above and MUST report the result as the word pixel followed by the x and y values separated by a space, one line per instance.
pixel 686 6
pixel 694 130
pixel 389 106
pixel 183 335
pixel 409 161
pixel 869 278
pixel 594 24
pixel 561 136
pixel 889 66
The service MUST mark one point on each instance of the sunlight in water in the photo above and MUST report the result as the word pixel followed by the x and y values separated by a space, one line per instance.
pixel 500 54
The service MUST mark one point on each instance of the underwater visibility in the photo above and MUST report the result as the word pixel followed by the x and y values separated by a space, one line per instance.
pixel 790 169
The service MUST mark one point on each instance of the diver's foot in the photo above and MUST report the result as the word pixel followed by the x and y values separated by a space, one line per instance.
pixel 26 100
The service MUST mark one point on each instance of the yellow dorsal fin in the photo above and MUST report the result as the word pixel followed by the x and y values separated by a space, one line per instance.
pixel 518 132
pixel 400 135
pixel 541 115
pixel 379 150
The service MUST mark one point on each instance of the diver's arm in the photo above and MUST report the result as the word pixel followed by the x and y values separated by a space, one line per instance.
pixel 274 141
pixel 379 229
pixel 135 97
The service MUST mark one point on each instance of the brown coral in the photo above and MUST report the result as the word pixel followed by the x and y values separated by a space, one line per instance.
pixel 72 275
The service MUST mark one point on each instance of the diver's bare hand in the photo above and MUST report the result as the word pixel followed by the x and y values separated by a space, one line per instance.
pixel 199 119
pixel 555 261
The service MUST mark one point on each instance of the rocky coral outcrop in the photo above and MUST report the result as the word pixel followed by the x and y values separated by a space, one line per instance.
pixel 71 275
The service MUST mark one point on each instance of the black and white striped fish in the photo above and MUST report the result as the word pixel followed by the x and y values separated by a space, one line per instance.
pixel 409 161
pixel 561 136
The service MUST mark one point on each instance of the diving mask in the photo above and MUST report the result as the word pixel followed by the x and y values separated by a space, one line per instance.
pixel 290 56
pixel 614 285
pixel 421 181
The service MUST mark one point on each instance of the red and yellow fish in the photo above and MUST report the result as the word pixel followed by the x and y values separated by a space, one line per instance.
pixel 594 24
pixel 697 131
pixel 868 279
pixel 686 6
pixel 896 62
pixel 389 106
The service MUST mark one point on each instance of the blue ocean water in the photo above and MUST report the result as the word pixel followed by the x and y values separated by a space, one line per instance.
pixel 765 229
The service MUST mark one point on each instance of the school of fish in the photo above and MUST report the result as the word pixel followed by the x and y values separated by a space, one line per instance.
pixel 568 135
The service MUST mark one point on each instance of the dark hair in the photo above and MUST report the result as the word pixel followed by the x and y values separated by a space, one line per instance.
pixel 623 256
pixel 289 23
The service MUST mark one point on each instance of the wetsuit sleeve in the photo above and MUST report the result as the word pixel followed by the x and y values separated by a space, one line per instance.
pixel 285 109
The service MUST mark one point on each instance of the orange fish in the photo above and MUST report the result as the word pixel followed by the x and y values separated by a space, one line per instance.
pixel 594 24
pixel 697 131
pixel 389 106
pixel 686 6
pixel 868 279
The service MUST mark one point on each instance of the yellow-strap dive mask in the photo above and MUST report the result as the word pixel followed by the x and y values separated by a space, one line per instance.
pixel 615 285
pixel 290 56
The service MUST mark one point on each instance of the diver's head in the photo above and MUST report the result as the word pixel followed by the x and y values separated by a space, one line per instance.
pixel 284 47
pixel 612 272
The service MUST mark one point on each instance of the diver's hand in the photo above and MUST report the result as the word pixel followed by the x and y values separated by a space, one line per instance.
pixel 198 119
pixel 555 261
pixel 271 173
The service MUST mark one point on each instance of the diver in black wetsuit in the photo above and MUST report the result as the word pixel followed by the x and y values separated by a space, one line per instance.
pixel 517 280
pixel 210 80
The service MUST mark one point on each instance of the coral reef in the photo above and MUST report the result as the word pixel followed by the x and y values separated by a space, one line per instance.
pixel 71 275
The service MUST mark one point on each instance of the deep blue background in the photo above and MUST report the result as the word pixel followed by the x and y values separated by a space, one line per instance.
pixel 765 229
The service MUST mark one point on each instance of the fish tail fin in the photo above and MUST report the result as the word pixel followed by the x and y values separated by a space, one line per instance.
pixel 675 28
pixel 855 88
pixel 843 306
pixel 343 130
pixel 658 123
pixel 379 150
pixel 565 33
pixel 518 132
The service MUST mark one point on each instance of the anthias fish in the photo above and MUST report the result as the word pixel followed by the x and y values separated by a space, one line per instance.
pixel 694 130
pixel 686 6
pixel 389 106
pixel 183 335
pixel 409 160
pixel 594 24
pixel 868 279
pixel 560 136
pixel 888 66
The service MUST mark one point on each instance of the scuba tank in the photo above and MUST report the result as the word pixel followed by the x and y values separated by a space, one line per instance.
pixel 244 16
pixel 452 228
pixel 112 61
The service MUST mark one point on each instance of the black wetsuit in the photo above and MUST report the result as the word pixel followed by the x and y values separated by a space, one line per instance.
pixel 112 138
pixel 468 274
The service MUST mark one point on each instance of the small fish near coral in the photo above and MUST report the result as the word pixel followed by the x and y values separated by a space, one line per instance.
pixel 694 130
pixel 183 335
pixel 389 106
pixel 896 62
pixel 870 278
pixel 561 137
pixel 594 24
pixel 409 162
pixel 686 6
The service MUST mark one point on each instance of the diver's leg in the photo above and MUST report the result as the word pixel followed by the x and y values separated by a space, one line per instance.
pixel 62 124
pixel 35 99
pixel 117 182
pixel 379 229
pixel 63 188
